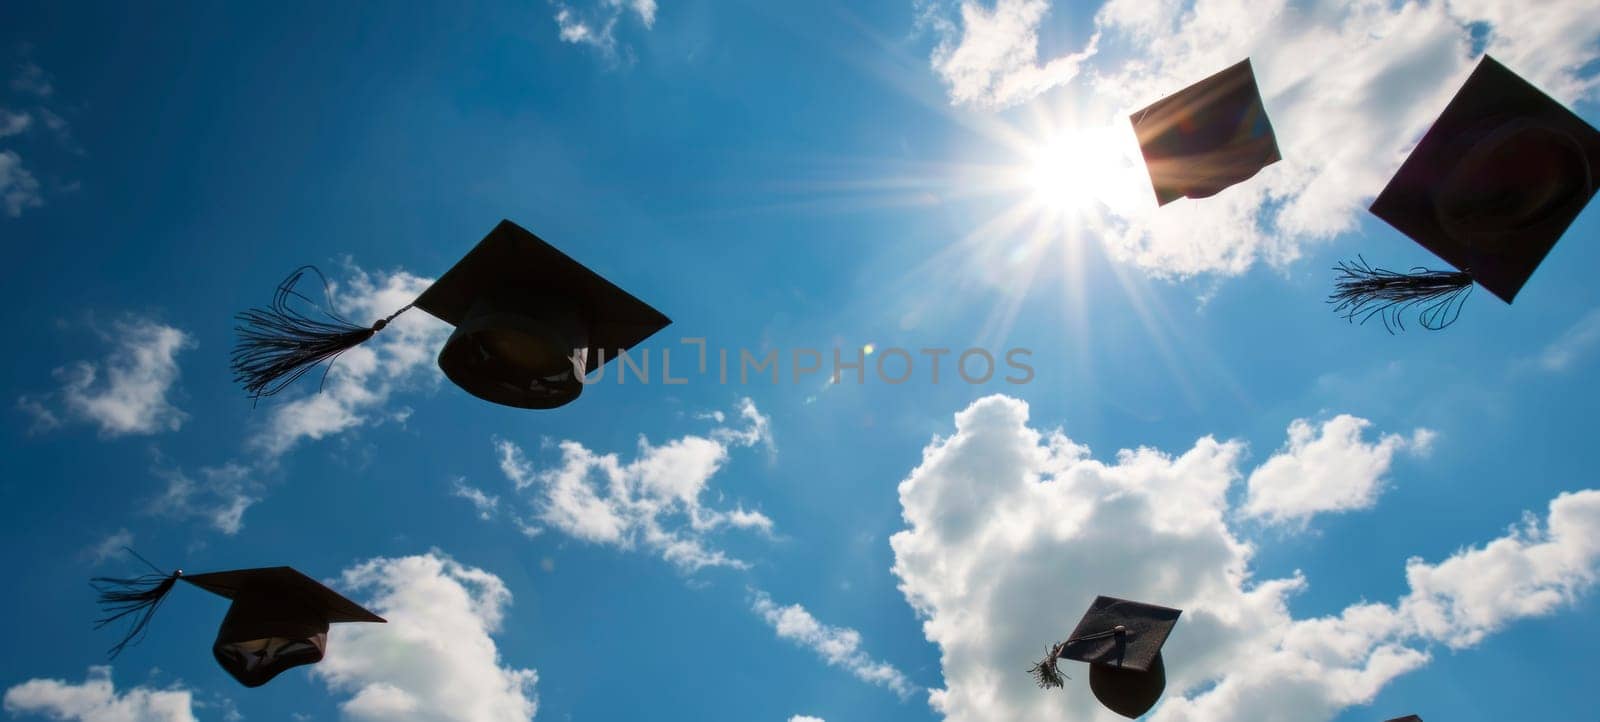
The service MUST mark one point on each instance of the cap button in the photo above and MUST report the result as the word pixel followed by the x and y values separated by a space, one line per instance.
pixel 1119 629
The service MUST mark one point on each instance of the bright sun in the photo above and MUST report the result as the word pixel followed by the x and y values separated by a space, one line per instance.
pixel 1079 170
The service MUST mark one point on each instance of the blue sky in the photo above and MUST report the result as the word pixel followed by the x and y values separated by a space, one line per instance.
pixel 1358 525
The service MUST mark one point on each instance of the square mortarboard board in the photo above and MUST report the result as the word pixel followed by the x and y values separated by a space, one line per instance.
pixel 1496 181
pixel 1121 641
pixel 1206 137
pixel 1119 633
pixel 526 315
pixel 1407 718
pixel 278 620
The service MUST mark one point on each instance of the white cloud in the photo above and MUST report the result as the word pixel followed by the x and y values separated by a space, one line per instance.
pixel 594 23
pixel 96 700
pixel 995 63
pixel 13 123
pixel 1350 87
pixel 653 501
pixel 126 392
pixel 30 78
pixel 108 547
pixel 363 378
pixel 219 498
pixel 18 188
pixel 485 503
pixel 436 660
pixel 1011 532
pixel 838 646
pixel 1326 469
pixel 759 430
pixel 44 417
pixel 805 718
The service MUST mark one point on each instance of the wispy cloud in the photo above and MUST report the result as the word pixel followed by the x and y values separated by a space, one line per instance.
pixel 1578 342
pixel 838 646
pixel 653 501
pixel 485 503
pixel 28 77
pixel 219 496
pixel 19 190
pixel 126 393
pixel 108 547
pixel 594 22
pixel 13 123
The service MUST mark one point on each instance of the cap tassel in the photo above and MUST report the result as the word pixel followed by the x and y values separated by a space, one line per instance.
pixel 140 596
pixel 1046 674
pixel 279 344
pixel 1361 292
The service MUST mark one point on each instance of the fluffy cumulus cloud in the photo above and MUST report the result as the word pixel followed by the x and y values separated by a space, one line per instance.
pixel 96 700
pixel 805 718
pixel 363 379
pixel 1350 87
pixel 1007 523
pixel 1326 469
pixel 436 660
pixel 594 22
pixel 838 646
pixel 653 500
pixel 126 392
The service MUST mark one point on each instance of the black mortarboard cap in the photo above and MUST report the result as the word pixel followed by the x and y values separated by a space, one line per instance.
pixel 1206 137
pixel 1496 181
pixel 1407 718
pixel 1121 641
pixel 278 619
pixel 529 321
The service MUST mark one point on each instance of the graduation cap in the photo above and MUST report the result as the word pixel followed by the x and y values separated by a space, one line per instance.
pixel 1490 188
pixel 1121 641
pixel 1206 137
pixel 530 322
pixel 1407 718
pixel 278 619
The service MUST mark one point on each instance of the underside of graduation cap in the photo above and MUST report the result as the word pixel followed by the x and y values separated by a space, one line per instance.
pixel 1407 718
pixel 1127 692
pixel 1496 181
pixel 529 320
pixel 1206 137
pixel 1121 641
pixel 278 620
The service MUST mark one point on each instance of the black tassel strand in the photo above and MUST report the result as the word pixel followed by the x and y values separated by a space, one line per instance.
pixel 1361 292
pixel 139 596
pixel 1046 674
pixel 279 344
